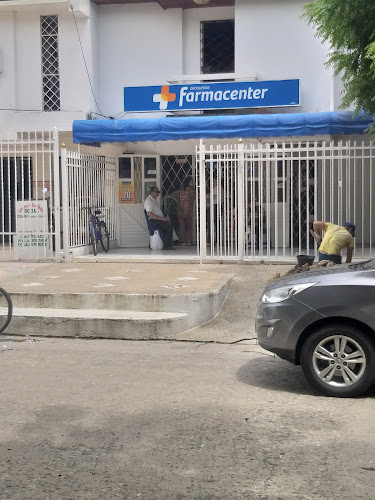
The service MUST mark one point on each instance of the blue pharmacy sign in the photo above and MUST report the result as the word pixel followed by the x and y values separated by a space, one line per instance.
pixel 225 95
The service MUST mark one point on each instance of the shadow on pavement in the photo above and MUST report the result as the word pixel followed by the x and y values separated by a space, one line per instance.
pixel 274 374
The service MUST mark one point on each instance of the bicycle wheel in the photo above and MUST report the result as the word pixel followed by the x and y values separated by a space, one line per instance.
pixel 6 309
pixel 93 239
pixel 104 236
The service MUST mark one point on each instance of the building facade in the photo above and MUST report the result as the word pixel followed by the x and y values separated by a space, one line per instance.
pixel 65 62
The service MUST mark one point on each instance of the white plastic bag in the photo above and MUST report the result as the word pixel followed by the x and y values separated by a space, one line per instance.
pixel 156 243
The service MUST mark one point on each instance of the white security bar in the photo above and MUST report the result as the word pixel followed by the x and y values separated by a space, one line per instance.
pixel 92 181
pixel 267 212
pixel 30 197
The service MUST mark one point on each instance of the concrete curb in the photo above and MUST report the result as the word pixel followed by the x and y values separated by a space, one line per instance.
pixel 78 323
pixel 86 314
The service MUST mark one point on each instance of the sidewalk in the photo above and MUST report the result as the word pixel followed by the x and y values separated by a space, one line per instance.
pixel 177 297
pixel 236 320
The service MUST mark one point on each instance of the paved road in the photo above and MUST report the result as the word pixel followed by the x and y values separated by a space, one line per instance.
pixel 166 420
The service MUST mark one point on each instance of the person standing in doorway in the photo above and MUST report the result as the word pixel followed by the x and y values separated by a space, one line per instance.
pixel 335 239
pixel 185 198
pixel 157 218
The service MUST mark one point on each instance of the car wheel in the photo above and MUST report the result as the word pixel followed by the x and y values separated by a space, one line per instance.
pixel 339 361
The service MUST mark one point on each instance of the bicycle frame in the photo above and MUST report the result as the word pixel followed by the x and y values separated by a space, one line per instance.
pixel 93 221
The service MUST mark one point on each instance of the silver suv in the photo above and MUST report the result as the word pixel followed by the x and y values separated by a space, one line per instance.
pixel 324 320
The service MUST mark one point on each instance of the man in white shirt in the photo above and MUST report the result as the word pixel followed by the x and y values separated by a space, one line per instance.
pixel 157 219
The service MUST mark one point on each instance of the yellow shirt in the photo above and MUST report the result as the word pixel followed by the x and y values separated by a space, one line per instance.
pixel 335 239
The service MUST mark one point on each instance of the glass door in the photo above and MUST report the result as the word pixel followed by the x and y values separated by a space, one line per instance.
pixel 150 174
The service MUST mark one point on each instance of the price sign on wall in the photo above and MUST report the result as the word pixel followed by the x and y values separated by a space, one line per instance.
pixel 126 192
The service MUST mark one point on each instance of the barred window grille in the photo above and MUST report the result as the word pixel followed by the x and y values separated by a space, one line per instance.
pixel 175 169
pixel 50 63
pixel 217 46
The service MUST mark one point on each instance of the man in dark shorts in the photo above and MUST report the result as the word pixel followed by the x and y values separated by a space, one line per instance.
pixel 157 219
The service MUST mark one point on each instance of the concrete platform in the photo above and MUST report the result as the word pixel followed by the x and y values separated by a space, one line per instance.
pixel 182 255
pixel 113 300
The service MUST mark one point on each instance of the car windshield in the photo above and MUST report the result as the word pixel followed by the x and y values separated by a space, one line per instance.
pixel 365 265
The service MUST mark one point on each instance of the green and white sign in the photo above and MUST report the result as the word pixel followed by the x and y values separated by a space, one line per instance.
pixel 32 238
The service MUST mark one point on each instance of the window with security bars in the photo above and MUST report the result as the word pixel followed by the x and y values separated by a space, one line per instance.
pixel 175 169
pixel 49 27
pixel 217 46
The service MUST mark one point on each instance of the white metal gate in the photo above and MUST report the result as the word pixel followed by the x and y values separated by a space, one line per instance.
pixel 30 197
pixel 88 181
pixel 259 200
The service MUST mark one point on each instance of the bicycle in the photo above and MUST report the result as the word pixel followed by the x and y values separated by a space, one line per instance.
pixel 97 230
pixel 6 309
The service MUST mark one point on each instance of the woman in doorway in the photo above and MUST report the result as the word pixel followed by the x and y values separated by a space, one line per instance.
pixel 186 198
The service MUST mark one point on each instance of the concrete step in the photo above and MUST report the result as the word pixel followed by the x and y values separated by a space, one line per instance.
pixel 97 323
pixel 200 307
pixel 86 294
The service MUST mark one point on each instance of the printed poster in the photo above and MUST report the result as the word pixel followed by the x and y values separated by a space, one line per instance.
pixel 32 216
pixel 126 191
pixel 32 239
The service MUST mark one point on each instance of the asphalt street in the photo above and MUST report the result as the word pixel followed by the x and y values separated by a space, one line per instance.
pixel 99 419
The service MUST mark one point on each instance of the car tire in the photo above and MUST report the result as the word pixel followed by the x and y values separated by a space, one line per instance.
pixel 339 361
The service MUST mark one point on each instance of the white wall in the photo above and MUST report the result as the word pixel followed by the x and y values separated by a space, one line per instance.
pixel 138 45
pixel 21 79
pixel 338 89
pixel 192 19
pixel 143 44
pixel 7 77
pixel 146 45
pixel 94 56
pixel 274 42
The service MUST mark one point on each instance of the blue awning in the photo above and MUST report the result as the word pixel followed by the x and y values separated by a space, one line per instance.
pixel 219 127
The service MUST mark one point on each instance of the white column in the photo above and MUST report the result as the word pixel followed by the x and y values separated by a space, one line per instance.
pixel 65 203
pixel 241 201
pixel 56 195
pixel 202 200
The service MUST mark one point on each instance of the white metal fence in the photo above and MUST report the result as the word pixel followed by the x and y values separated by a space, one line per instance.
pixel 259 200
pixel 30 197
pixel 88 181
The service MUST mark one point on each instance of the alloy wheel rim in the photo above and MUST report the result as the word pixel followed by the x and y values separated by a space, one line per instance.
pixel 339 361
